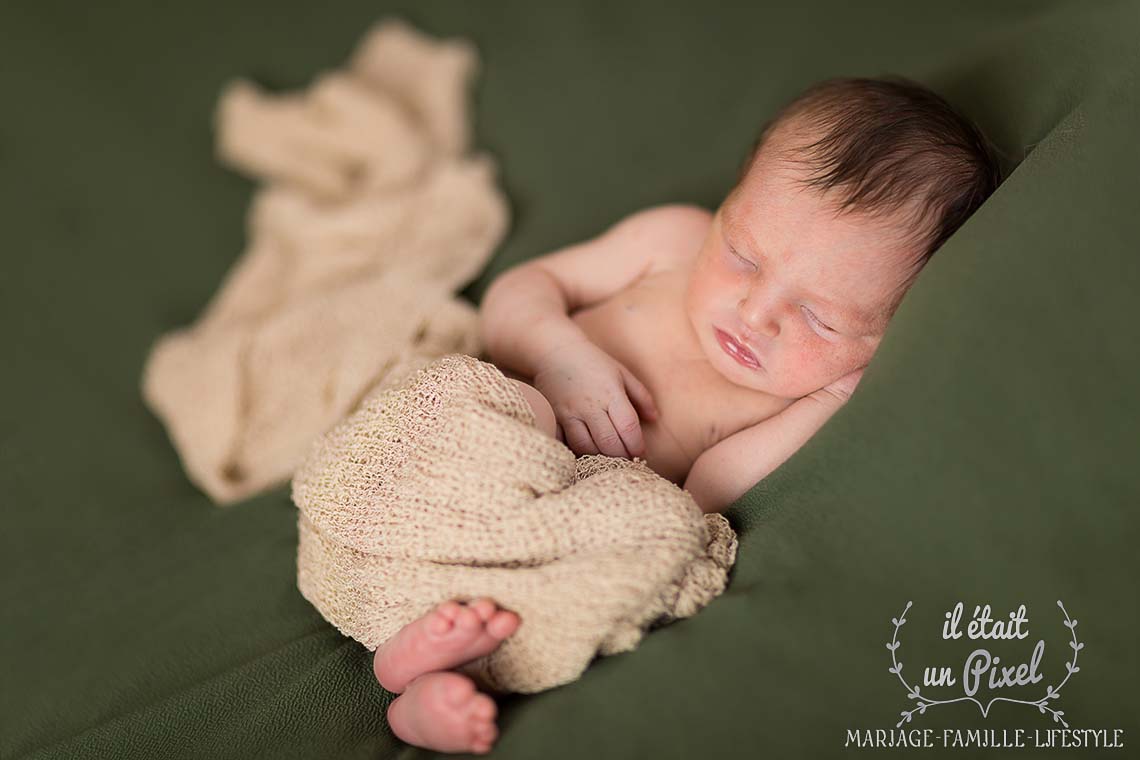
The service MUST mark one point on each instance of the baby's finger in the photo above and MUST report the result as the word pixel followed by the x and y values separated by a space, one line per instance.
pixel 625 422
pixel 605 436
pixel 842 388
pixel 578 437
pixel 639 395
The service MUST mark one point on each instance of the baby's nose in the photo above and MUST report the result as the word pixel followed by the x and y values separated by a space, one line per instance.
pixel 759 319
pixel 769 327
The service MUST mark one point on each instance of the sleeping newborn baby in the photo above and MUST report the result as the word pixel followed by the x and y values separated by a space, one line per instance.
pixel 711 345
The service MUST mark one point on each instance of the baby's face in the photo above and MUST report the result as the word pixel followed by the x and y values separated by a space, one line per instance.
pixel 806 291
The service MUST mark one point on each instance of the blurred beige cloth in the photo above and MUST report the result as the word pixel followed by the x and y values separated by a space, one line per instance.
pixel 371 218
pixel 439 486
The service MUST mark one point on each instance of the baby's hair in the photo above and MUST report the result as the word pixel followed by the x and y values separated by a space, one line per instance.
pixel 888 143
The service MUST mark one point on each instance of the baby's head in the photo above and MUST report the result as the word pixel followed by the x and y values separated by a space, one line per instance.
pixel 842 200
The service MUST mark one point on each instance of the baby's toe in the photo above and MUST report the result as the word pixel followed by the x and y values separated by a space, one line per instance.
pixel 482 726
pixel 443 618
pixel 449 609
pixel 484 606
pixel 468 619
pixel 503 624
pixel 484 735
pixel 483 709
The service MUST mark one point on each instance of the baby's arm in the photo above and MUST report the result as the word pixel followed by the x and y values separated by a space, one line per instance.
pixel 730 468
pixel 524 319
pixel 525 312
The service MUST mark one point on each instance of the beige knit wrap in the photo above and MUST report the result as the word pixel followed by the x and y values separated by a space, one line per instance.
pixel 441 487
pixel 370 219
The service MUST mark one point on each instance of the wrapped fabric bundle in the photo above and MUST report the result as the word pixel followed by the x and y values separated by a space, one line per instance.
pixel 439 486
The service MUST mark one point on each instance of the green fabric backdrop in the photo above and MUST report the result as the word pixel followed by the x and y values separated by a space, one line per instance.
pixel 988 457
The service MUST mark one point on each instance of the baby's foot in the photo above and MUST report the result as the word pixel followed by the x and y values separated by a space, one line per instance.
pixel 446 637
pixel 444 712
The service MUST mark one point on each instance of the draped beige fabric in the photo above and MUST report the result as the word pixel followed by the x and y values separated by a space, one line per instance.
pixel 441 487
pixel 371 216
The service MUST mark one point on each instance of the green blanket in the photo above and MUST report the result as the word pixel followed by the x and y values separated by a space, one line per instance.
pixel 988 456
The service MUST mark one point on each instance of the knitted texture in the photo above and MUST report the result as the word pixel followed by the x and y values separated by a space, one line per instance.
pixel 439 486
pixel 372 218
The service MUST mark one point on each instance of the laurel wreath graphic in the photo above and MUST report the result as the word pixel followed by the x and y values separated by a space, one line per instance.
pixel 923 702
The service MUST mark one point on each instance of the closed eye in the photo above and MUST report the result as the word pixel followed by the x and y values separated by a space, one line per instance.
pixel 813 318
pixel 741 258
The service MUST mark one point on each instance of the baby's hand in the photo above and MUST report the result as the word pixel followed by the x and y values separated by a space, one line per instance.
pixel 839 392
pixel 591 394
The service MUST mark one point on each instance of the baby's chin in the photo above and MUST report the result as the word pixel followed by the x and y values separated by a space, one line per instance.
pixel 758 385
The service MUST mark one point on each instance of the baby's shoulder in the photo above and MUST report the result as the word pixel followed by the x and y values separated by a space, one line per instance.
pixel 679 216
pixel 674 232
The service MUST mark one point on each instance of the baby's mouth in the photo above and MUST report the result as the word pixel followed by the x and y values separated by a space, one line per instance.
pixel 734 348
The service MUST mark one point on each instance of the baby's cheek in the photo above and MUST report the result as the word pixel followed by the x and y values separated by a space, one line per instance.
pixel 820 362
